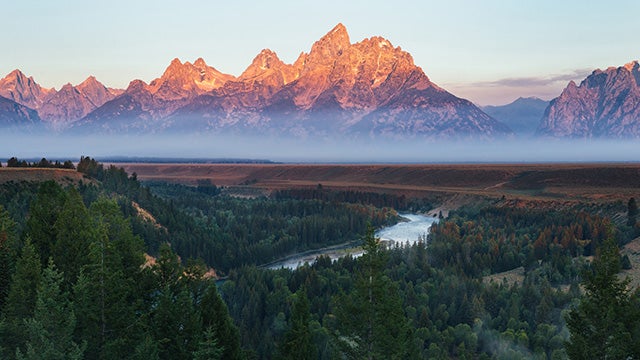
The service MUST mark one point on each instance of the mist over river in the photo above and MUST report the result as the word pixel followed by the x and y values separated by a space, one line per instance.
pixel 414 228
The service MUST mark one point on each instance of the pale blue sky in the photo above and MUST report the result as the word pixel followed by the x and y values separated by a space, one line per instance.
pixel 490 52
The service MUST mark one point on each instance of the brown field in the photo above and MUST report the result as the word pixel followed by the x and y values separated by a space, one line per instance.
pixel 552 182
pixel 62 176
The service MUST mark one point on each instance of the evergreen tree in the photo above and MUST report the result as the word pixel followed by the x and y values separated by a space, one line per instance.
pixel 50 331
pixel 43 214
pixel 75 232
pixel 215 316
pixel 372 321
pixel 208 349
pixel 106 294
pixel 174 319
pixel 297 343
pixel 13 162
pixel 126 251
pixel 147 349
pixel 606 322
pixel 8 249
pixel 21 300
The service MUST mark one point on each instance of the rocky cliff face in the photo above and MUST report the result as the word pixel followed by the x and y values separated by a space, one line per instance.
pixel 605 104
pixel 72 103
pixel 24 90
pixel 58 108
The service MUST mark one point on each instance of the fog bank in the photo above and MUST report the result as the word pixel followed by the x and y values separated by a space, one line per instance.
pixel 209 146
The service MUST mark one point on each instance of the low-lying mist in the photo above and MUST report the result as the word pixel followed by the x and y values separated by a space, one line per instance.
pixel 207 146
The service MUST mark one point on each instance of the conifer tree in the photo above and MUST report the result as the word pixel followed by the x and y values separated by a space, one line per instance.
pixel 215 316
pixel 106 296
pixel 50 331
pixel 606 323
pixel 43 214
pixel 21 300
pixel 371 317
pixel 75 232
pixel 8 250
pixel 208 348
pixel 297 343
pixel 174 319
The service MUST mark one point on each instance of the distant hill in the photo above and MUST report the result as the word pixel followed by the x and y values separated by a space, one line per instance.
pixel 522 116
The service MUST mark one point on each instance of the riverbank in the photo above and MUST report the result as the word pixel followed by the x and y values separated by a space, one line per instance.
pixel 414 229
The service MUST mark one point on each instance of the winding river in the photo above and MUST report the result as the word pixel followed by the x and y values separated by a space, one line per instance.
pixel 414 228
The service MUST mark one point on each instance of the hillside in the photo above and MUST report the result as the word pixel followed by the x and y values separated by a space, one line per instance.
pixel 61 176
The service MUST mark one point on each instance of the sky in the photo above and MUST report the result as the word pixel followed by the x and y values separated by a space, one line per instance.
pixel 490 52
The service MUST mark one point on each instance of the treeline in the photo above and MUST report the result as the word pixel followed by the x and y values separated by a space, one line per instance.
pixel 398 202
pixel 74 285
pixel 43 163
pixel 231 232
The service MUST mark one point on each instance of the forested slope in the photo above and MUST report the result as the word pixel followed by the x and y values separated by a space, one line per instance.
pixel 74 282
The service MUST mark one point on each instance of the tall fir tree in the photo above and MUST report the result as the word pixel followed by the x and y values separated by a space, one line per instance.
pixel 606 322
pixel 297 342
pixel 21 300
pixel 107 298
pixel 43 214
pixel 372 320
pixel 75 232
pixel 8 253
pixel 50 330
pixel 208 348
pixel 175 320
pixel 215 316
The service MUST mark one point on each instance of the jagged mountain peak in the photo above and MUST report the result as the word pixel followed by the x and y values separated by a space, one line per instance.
pixel 330 46
pixel 24 90
pixel 268 70
pixel 264 61
pixel 339 31
pixel 16 74
pixel 200 63
pixel 72 103
pixel 181 80
pixel 135 86
pixel 632 66
pixel 89 83
pixel 66 87
pixel 366 88
pixel 605 104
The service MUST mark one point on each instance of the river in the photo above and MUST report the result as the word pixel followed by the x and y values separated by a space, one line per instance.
pixel 411 230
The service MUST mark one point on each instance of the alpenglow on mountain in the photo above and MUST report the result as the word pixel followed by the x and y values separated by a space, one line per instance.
pixel 605 105
pixel 369 88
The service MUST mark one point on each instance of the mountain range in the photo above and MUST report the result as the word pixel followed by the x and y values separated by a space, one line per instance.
pixel 368 88
pixel 364 89
pixel 522 116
